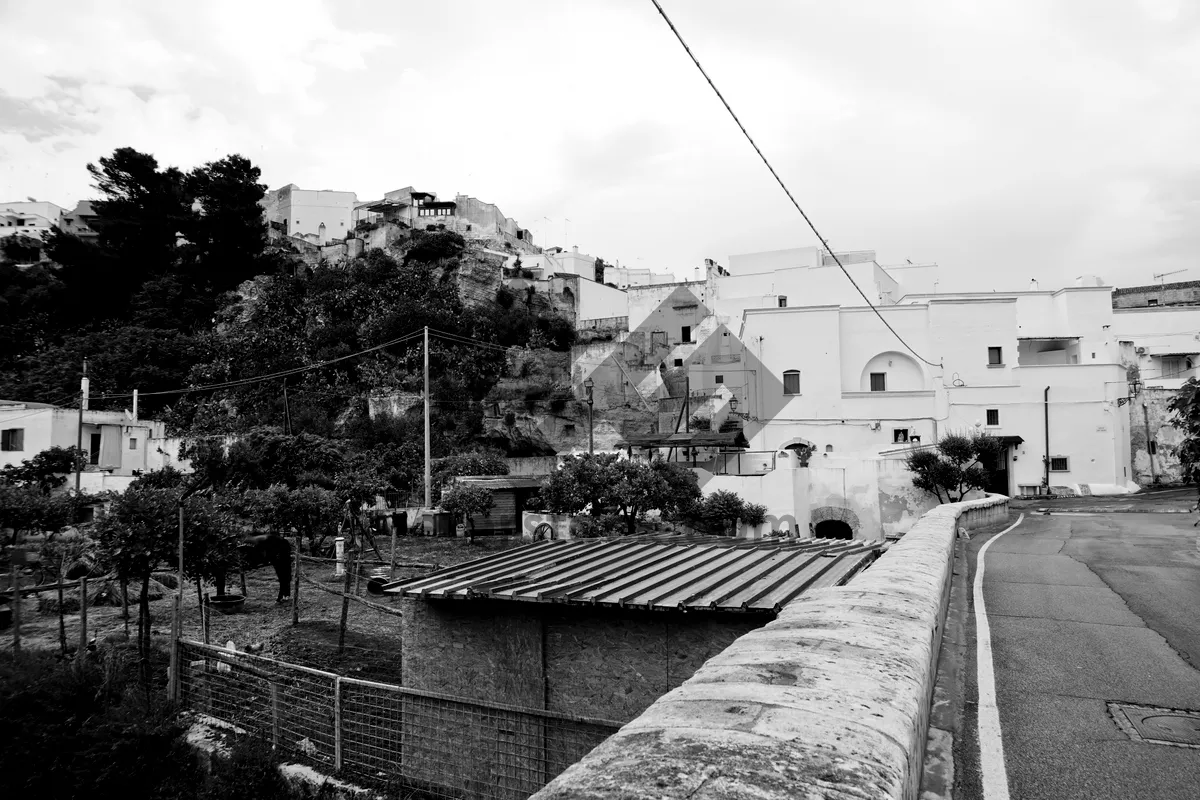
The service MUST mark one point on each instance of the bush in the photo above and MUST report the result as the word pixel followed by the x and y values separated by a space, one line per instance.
pixel 699 423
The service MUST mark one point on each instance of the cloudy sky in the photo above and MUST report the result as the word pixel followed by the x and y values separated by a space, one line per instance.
pixel 1004 140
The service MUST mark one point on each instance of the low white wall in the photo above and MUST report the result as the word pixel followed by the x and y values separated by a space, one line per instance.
pixel 829 700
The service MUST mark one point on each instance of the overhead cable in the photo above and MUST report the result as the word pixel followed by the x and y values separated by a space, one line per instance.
pixel 783 186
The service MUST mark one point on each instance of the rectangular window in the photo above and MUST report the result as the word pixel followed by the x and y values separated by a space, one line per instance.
pixel 1060 464
pixel 686 333
pixel 94 452
pixel 878 381
pixel 679 362
pixel 1171 367
pixel 993 416
pixel 783 301
pixel 995 356
pixel 720 379
pixel 1152 301
pixel 899 435
pixel 791 382
pixel 12 440
pixel 133 443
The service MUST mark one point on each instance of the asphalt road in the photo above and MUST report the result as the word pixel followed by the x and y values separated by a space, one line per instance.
pixel 1084 610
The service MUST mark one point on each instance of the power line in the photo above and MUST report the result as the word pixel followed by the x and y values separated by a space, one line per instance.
pixel 262 378
pixel 454 338
pixel 783 186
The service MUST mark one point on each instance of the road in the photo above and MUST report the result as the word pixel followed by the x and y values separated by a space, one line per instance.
pixel 1083 610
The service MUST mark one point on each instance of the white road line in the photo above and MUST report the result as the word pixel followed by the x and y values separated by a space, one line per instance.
pixel 991 745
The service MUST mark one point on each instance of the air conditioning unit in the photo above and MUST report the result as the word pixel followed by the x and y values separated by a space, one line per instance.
pixel 1141 351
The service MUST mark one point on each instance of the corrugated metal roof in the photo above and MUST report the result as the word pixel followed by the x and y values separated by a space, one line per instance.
pixel 501 481
pixel 703 573
pixel 728 439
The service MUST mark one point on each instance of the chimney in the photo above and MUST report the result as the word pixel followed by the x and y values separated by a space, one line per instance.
pixel 575 248
pixel 1033 284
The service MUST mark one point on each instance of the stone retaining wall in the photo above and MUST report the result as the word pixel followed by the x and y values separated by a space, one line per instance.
pixel 829 700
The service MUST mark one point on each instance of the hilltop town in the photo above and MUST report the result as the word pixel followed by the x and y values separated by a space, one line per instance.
pixel 772 374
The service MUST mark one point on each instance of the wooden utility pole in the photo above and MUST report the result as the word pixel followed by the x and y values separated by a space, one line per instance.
pixel 83 402
pixel 81 655
pixel 428 471
pixel 287 409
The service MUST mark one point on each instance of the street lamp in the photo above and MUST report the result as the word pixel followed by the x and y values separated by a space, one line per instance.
pixel 589 384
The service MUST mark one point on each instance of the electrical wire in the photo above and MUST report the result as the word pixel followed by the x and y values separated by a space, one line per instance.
pixel 262 378
pixel 787 191
pixel 455 338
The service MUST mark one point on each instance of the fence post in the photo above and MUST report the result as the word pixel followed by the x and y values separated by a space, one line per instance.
pixel 351 567
pixel 339 550
pixel 274 715
pixel 296 584
pixel 337 724
pixel 205 612
pixel 83 604
pixel 18 561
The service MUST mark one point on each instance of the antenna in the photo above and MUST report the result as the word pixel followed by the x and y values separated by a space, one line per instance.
pixel 1158 276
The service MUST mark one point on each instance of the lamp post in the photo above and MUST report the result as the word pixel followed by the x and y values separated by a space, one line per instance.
pixel 589 384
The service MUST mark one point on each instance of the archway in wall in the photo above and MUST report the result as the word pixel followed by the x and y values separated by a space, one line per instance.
pixel 824 514
pixel 833 529
pixel 900 373
pixel 802 448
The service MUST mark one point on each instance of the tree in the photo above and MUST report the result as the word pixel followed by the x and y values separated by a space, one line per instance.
pixel 1186 407
pixel 954 466
pixel 46 471
pixel 724 508
pixel 605 484
pixel 465 500
pixel 137 534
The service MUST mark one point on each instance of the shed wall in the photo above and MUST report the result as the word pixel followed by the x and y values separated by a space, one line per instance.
pixel 606 663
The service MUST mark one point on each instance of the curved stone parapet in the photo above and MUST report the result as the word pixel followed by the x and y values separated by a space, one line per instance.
pixel 830 700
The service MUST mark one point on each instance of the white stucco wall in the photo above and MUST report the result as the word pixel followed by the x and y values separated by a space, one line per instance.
pixel 306 210
pixel 1161 331
pixel 597 301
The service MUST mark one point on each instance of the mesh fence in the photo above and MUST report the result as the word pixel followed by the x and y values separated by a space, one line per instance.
pixel 436 746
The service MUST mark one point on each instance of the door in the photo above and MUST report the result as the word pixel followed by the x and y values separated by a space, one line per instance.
pixel 998 472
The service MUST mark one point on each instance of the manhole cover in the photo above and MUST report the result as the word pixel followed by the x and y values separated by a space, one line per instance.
pixel 1157 725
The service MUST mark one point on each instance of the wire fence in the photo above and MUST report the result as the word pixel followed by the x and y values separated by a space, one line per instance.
pixel 428 744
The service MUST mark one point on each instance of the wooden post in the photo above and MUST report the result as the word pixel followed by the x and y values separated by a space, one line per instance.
pixel 274 715
pixel 337 718
pixel 350 566
pixel 18 561
pixel 206 612
pixel 296 584
pixel 83 636
pixel 392 556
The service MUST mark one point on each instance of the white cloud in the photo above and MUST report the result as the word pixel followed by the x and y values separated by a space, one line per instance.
pixel 1003 138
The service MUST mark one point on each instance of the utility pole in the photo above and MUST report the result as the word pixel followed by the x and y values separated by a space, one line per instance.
pixel 287 410
pixel 428 472
pixel 83 402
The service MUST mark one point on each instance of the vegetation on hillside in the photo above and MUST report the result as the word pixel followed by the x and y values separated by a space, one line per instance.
pixel 183 288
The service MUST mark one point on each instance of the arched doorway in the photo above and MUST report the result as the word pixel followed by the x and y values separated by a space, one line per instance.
pixel 833 529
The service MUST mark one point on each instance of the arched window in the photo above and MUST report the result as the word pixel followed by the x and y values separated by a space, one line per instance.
pixel 828 448
pixel 791 381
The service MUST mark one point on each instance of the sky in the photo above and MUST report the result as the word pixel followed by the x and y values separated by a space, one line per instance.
pixel 1003 139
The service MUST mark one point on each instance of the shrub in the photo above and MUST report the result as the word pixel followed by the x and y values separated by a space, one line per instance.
pixel 699 423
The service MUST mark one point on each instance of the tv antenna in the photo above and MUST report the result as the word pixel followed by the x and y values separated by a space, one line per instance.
pixel 1158 276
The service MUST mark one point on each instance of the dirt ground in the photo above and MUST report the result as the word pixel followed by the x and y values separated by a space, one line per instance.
pixel 372 644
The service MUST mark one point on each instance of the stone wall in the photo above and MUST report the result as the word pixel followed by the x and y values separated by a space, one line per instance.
pixel 1161 467
pixel 831 699
pixel 604 663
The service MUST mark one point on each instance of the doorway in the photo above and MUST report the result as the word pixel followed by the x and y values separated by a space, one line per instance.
pixel 833 529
